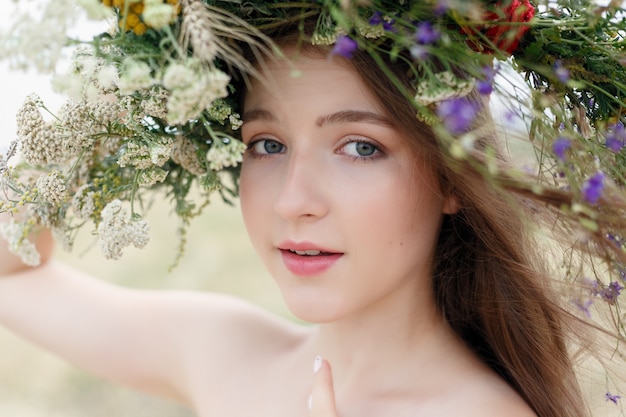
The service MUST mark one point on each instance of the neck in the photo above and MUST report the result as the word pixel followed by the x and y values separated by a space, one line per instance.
pixel 384 348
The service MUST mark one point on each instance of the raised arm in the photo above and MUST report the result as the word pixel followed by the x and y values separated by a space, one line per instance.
pixel 155 341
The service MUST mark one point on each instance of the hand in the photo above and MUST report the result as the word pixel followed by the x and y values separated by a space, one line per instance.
pixel 322 399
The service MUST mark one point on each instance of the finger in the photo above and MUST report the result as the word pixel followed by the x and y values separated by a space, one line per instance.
pixel 322 400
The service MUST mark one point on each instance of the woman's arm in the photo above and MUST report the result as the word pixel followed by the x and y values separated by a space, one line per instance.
pixel 163 342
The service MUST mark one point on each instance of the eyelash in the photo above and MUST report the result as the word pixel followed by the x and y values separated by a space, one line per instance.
pixel 258 155
pixel 378 153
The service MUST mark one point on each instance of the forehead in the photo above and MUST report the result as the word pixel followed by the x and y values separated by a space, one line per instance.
pixel 309 78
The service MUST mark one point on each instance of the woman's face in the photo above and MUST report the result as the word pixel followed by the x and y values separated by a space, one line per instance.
pixel 342 210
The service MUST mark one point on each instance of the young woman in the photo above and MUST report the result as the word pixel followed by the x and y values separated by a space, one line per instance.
pixel 420 278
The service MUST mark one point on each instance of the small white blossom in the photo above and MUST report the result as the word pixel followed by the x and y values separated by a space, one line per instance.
pixel 15 234
pixel 179 75
pixel 155 104
pixel 40 142
pixel 151 176
pixel 116 230
pixel 193 88
pixel 52 187
pixel 108 77
pixel 135 76
pixel 37 41
pixel 223 155
pixel 83 202
pixel 184 154
pixel 96 10
pixel 157 14
pixel 235 121
pixel 144 155
pixel 446 85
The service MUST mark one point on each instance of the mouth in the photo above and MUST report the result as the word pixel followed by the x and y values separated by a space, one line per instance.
pixel 308 262
pixel 311 252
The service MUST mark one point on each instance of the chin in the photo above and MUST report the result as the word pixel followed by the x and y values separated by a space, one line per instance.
pixel 313 309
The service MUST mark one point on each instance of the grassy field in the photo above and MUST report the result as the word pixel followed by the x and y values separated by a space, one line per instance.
pixel 219 257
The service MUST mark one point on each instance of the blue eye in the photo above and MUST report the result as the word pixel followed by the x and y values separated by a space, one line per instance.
pixel 361 149
pixel 267 147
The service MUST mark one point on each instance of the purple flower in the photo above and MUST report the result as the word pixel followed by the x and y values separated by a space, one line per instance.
pixel 611 292
pixel 345 46
pixel 457 114
pixel 593 187
pixel 485 85
pixel 611 397
pixel 376 19
pixel 562 73
pixel 616 138
pixel 426 34
pixel 583 306
pixel 560 146
pixel 441 7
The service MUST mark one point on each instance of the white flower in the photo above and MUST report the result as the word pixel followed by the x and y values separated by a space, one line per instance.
pixel 108 77
pixel 157 14
pixel 116 231
pixel 446 85
pixel 37 41
pixel 52 187
pixel 223 155
pixel 83 202
pixel 40 142
pixel 15 234
pixel 179 75
pixel 96 10
pixel 184 154
pixel 193 88
pixel 135 76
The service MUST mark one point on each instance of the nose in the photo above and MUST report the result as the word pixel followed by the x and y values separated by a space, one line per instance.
pixel 302 193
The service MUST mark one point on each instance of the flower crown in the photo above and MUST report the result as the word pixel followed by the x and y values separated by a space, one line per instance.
pixel 151 107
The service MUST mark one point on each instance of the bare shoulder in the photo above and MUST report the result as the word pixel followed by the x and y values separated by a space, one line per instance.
pixel 487 395
pixel 220 336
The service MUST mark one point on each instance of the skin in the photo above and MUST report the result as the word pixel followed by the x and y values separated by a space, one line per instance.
pixel 391 352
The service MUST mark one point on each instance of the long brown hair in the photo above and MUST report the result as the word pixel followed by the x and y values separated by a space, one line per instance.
pixel 487 280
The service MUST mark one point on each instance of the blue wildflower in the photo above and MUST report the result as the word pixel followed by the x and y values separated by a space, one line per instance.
pixel 593 187
pixel 611 397
pixel 426 34
pixel 583 305
pixel 376 19
pixel 560 146
pixel 562 73
pixel 345 46
pixel 484 86
pixel 611 292
pixel 457 114
pixel 616 138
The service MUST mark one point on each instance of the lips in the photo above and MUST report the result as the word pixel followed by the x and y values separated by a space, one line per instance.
pixel 306 259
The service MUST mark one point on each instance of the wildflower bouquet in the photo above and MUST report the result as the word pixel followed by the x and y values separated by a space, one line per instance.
pixel 150 108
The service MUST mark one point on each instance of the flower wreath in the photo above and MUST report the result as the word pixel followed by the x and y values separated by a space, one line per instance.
pixel 151 106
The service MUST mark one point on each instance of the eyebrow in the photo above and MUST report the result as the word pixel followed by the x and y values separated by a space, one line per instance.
pixel 342 116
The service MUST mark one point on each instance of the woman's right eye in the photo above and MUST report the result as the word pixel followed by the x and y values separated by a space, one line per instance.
pixel 266 147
